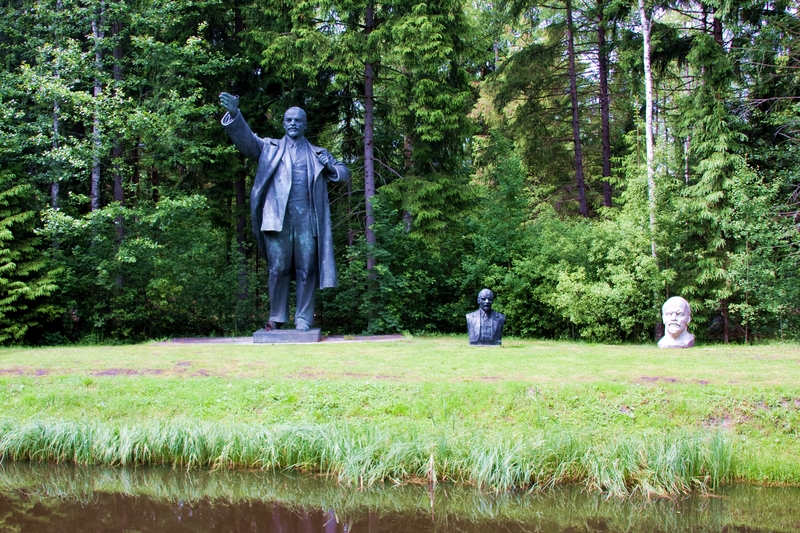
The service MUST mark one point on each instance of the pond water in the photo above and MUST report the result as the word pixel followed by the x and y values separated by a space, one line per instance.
pixel 36 498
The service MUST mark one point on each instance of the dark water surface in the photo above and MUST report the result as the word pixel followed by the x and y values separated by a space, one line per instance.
pixel 38 498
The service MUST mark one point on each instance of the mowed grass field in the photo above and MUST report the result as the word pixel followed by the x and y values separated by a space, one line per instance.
pixel 528 414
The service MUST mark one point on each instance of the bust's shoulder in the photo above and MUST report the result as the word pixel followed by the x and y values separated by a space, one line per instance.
pixel 686 340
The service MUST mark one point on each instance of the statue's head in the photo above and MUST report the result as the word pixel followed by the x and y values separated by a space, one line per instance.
pixel 485 300
pixel 676 315
pixel 295 122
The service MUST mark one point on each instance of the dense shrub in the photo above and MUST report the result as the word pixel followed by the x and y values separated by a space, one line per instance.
pixel 414 287
pixel 173 274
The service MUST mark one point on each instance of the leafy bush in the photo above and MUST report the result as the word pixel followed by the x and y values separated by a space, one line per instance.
pixel 171 274
pixel 413 287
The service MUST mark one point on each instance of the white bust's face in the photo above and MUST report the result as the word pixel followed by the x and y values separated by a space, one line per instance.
pixel 676 317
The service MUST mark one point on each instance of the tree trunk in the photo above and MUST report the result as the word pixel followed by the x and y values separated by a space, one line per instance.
pixel 348 153
pixel 650 148
pixel 576 129
pixel 716 29
pixel 369 141
pixel 408 162
pixel 687 147
pixel 119 191
pixel 116 157
pixel 116 151
pixel 154 182
pixel 605 127
pixel 241 222
pixel 135 177
pixel 54 185
pixel 723 304
pixel 97 34
pixel 648 126
pixel 241 197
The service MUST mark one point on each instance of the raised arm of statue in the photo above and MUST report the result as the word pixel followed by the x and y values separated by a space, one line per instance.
pixel 240 133
pixel 230 103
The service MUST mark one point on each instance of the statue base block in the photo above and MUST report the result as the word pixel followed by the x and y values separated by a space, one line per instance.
pixel 286 336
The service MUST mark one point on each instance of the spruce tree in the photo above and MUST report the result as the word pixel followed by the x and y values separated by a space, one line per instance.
pixel 25 281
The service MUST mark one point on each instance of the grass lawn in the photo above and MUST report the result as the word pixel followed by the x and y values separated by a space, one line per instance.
pixel 530 413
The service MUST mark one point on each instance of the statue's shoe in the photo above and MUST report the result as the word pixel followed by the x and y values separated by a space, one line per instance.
pixel 271 326
pixel 302 325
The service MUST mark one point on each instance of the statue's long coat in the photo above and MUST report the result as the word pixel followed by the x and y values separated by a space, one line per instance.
pixel 270 191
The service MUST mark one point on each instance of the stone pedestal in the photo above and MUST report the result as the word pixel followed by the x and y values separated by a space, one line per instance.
pixel 284 336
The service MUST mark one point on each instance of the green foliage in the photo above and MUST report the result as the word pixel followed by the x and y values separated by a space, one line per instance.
pixel 411 288
pixel 554 276
pixel 423 93
pixel 580 279
pixel 730 209
pixel 26 278
pixel 171 275
pixel 462 192
pixel 431 98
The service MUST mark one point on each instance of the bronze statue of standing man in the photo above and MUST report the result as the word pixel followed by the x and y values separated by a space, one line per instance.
pixel 290 210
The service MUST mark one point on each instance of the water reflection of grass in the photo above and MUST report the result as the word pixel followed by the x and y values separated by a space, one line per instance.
pixel 620 419
pixel 568 507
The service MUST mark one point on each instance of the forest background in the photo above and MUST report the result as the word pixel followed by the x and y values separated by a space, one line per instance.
pixel 585 159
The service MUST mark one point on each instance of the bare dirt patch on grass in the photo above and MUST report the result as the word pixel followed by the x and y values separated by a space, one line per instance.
pixel 357 375
pixel 725 421
pixel 309 373
pixel 180 368
pixel 657 379
pixel 367 375
pixel 129 372
pixel 18 371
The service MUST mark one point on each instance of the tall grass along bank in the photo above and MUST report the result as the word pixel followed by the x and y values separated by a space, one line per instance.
pixel 652 465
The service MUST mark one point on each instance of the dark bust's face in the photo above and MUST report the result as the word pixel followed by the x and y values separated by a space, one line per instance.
pixel 295 123
pixel 485 300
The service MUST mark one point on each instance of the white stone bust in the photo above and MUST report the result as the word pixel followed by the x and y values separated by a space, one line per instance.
pixel 676 315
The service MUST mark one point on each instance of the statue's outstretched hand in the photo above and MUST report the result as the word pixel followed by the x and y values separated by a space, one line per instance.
pixel 230 103
pixel 327 162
